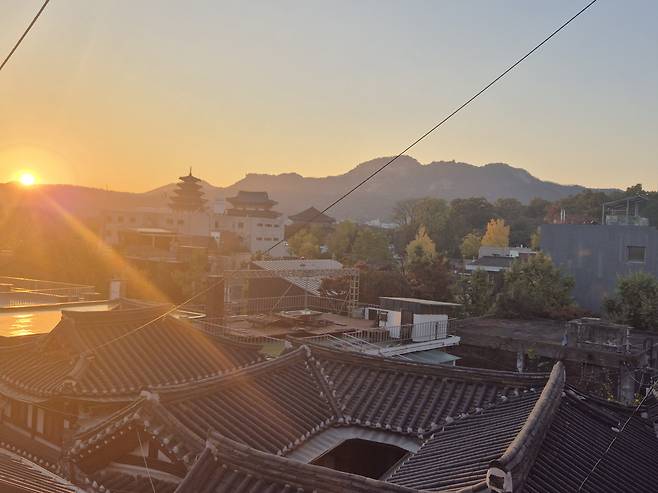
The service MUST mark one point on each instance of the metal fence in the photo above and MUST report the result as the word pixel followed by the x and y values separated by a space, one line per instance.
pixel 252 306
pixel 19 291
pixel 367 339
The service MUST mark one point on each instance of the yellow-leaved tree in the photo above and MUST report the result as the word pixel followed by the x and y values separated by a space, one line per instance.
pixel 422 248
pixel 497 234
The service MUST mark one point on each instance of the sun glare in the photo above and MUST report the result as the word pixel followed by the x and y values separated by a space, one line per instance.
pixel 27 179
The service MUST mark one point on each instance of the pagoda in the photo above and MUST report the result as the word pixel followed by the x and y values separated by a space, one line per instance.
pixel 188 195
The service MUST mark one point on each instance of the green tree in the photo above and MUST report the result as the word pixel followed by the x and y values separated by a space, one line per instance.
pixel 635 302
pixel 535 288
pixel 375 283
pixel 371 246
pixel 304 244
pixel 192 276
pixel 430 278
pixel 341 240
pixel 475 293
pixel 470 247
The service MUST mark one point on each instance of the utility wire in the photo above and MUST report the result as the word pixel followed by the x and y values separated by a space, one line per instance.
pixel 612 442
pixel 148 471
pixel 20 40
pixel 353 189
pixel 435 127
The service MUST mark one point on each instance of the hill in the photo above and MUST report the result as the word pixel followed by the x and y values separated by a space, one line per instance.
pixel 405 179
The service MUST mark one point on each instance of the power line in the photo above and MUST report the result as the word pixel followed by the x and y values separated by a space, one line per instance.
pixel 612 442
pixel 353 189
pixel 445 119
pixel 148 471
pixel 20 40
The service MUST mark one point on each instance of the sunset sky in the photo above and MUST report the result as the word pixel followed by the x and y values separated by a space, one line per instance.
pixel 128 94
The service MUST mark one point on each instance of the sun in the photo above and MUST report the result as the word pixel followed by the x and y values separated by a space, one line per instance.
pixel 27 179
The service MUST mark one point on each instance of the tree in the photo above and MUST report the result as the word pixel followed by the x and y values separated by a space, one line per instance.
pixel 497 234
pixel 535 240
pixel 341 240
pixel 470 247
pixel 192 276
pixel 375 283
pixel 422 248
pixel 475 293
pixel 430 278
pixel 371 246
pixel 304 244
pixel 535 288
pixel 635 302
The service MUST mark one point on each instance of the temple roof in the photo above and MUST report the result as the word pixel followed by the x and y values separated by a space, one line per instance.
pixel 312 216
pixel 188 194
pixel 18 474
pixel 252 199
pixel 114 354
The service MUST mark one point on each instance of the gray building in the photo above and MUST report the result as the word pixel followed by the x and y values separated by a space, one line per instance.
pixel 597 255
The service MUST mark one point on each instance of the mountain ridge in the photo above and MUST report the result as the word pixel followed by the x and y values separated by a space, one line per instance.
pixel 406 178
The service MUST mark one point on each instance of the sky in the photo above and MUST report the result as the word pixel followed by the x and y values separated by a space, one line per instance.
pixel 127 95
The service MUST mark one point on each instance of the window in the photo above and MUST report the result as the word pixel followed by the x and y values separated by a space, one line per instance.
pixel 132 219
pixel 260 224
pixel 120 219
pixel 240 225
pixel 181 222
pixel 635 253
pixel 259 239
pixel 268 225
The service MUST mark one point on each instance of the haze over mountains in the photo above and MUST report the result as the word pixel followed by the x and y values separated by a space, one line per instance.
pixel 404 179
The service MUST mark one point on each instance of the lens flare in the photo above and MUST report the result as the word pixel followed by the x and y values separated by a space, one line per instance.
pixel 27 179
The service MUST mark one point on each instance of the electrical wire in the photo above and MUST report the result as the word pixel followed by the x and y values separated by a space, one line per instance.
pixel 356 187
pixel 148 471
pixel 612 442
pixel 27 30
pixel 445 119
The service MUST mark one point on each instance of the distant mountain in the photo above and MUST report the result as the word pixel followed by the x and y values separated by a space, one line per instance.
pixel 404 179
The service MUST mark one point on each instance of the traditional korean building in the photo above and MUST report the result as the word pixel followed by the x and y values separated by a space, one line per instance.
pixel 137 401
pixel 308 218
pixel 188 195
pixel 253 218
pixel 95 363
pixel 325 421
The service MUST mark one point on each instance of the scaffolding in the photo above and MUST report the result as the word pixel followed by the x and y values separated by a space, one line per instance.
pixel 351 274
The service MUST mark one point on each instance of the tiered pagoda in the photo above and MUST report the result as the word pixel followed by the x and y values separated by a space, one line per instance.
pixel 188 196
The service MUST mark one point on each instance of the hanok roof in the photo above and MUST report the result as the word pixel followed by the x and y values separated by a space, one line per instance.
pixel 581 431
pixel 18 474
pixel 254 199
pixel 482 429
pixel 312 216
pixel 227 465
pixel 114 354
pixel 276 406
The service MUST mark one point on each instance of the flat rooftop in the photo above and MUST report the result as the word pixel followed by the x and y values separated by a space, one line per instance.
pixel 30 320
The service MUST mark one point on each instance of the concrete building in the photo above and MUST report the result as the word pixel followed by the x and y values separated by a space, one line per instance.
pixel 597 255
pixel 252 217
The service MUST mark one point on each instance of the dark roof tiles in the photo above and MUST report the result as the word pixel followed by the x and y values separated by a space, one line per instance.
pixel 117 353
pixel 226 465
